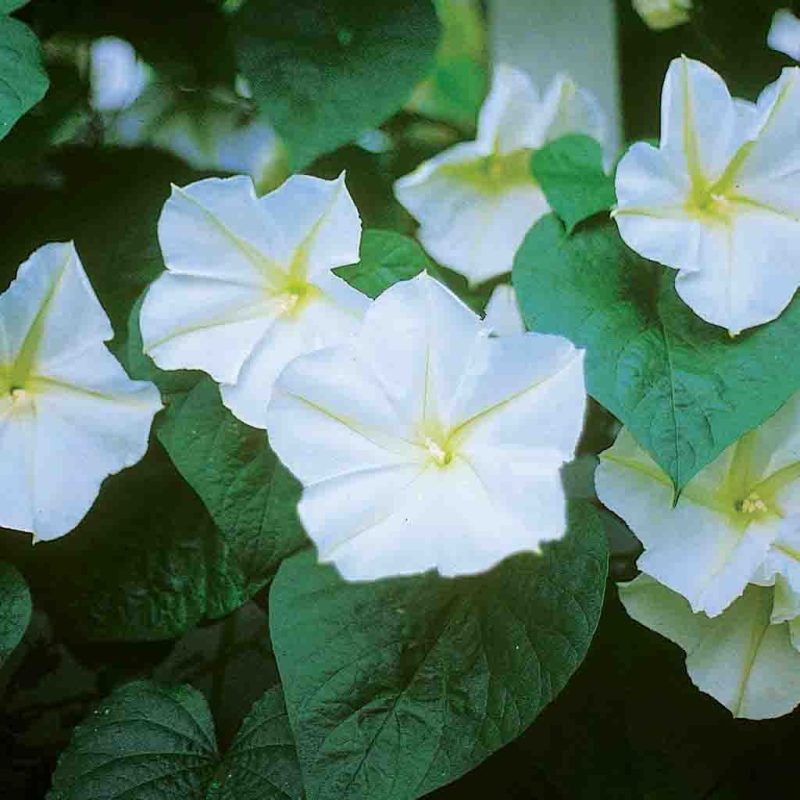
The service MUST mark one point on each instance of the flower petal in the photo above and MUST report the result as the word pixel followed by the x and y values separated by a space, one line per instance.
pixel 510 118
pixel 50 311
pixel 216 228
pixel 329 417
pixel 318 219
pixel 784 34
pixel 699 130
pixel 202 323
pixel 739 658
pixel 749 270
pixel 91 421
pixel 650 213
pixel 475 232
pixel 418 340
pixel 768 176
pixel 568 109
pixel 443 519
pixel 514 380
pixel 695 547
pixel 502 313
pixel 17 434
pixel 321 323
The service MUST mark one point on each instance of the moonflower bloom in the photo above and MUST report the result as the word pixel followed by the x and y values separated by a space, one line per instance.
pixel 117 75
pixel 216 130
pixel 69 415
pixel 719 200
pixel 424 442
pixel 743 658
pixel 502 311
pixel 732 524
pixel 476 201
pixel 662 14
pixel 248 285
pixel 784 34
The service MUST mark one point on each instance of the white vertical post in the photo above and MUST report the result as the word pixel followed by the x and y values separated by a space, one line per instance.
pixel 577 37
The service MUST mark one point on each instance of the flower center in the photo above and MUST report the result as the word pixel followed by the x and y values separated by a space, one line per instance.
pixel 710 204
pixel 294 297
pixel 21 398
pixel 493 173
pixel 440 453
pixel 752 505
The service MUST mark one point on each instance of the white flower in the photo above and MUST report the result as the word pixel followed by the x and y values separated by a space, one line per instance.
pixel 426 443
pixel 784 34
pixel 210 130
pixel 249 285
pixel 733 522
pixel 742 658
pixel 662 14
pixel 69 415
pixel 476 201
pixel 502 314
pixel 117 74
pixel 719 200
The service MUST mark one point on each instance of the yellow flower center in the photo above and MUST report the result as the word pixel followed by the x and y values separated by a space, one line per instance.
pixel 493 173
pixel 295 296
pixel 440 452
pixel 753 504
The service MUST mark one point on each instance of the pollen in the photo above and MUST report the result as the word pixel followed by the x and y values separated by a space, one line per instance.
pixel 753 504
pixel 439 454
pixel 288 302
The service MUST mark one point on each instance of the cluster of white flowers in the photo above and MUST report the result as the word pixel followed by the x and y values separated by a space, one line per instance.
pixel 734 530
pixel 407 423
pixel 719 201
pixel 406 420
pixel 424 436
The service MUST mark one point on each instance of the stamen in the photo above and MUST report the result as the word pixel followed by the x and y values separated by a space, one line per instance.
pixel 753 504
pixel 438 453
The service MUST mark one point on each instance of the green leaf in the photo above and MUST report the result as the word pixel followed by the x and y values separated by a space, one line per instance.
pixel 685 388
pixel 156 742
pixel 23 81
pixel 15 609
pixel 323 73
pixel 262 761
pixel 386 258
pixel 250 495
pixel 570 172
pixel 399 686
pixel 7 6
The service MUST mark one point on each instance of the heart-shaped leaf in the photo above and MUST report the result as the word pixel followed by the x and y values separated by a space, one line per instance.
pixel 323 73
pixel 399 686
pixel 570 172
pixel 685 388
pixel 155 742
